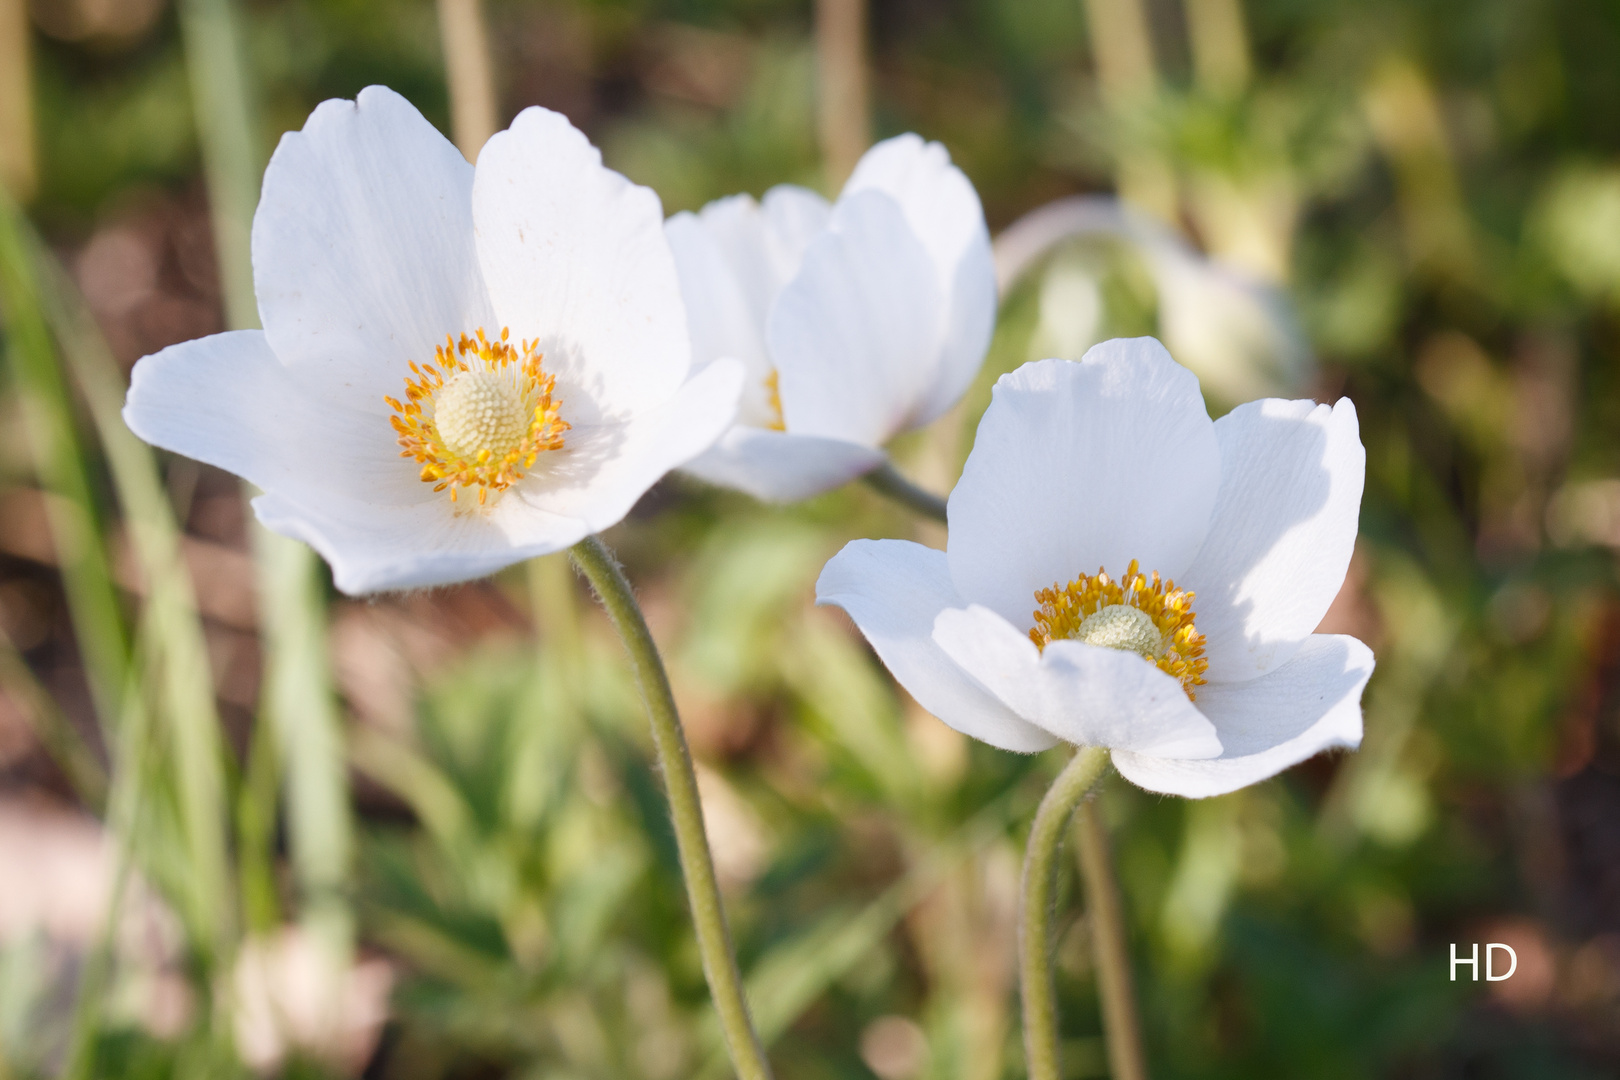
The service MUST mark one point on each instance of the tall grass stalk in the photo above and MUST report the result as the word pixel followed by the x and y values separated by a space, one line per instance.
pixel 134 760
pixel 298 700
pixel 176 670
pixel 54 731
pixel 62 465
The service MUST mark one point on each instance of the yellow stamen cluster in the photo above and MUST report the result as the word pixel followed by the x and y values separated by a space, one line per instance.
pixel 1087 609
pixel 773 398
pixel 478 414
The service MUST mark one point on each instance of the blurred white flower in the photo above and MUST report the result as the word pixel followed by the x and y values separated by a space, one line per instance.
pixel 856 320
pixel 1239 334
pixel 1052 613
pixel 292 995
pixel 459 368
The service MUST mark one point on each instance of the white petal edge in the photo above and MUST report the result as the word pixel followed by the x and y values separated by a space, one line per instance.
pixel 611 466
pixel 575 257
pixel 1282 532
pixel 855 336
pixel 380 549
pixel 1084 695
pixel 363 249
pixel 1310 704
pixel 944 212
pixel 1083 465
pixel 778 466
pixel 227 400
pixel 893 589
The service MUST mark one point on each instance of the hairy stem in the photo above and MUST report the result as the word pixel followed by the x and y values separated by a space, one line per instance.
pixel 887 479
pixel 596 562
pixel 1035 916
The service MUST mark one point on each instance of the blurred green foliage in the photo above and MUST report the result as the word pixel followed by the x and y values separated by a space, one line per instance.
pixel 1436 185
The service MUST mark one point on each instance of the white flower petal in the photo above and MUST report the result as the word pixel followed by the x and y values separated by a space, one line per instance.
pixel 363 254
pixel 944 211
pixel 575 257
pixel 1282 532
pixel 893 589
pixel 1085 695
pixel 228 400
pixel 779 466
pixel 1083 465
pixel 604 469
pixel 377 548
pixel 737 228
pixel 1310 704
pixel 1239 333
pixel 794 216
pixel 717 312
pixel 718 315
pixel 855 334
pixel 764 244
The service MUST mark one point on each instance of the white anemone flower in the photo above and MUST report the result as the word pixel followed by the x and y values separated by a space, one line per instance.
pixel 1121 572
pixel 459 369
pixel 1240 334
pixel 856 320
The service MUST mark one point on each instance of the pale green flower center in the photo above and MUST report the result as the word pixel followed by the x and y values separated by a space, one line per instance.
pixel 1120 626
pixel 480 413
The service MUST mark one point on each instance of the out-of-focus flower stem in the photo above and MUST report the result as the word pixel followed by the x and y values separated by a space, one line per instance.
pixel 887 479
pixel 469 73
pixel 844 107
pixel 19 172
pixel 1073 784
pixel 1109 955
pixel 602 570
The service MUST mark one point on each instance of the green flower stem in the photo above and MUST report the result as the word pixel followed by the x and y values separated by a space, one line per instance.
pixel 1112 960
pixel 1035 916
pixel 600 568
pixel 887 479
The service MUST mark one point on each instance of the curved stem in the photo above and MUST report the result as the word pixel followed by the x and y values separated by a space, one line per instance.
pixel 1035 917
pixel 600 568
pixel 887 479
pixel 1120 1029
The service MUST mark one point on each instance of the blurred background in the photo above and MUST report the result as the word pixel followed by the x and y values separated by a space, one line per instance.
pixel 248 826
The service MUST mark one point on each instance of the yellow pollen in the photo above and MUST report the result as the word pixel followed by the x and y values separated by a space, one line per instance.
pixel 1137 614
pixel 773 397
pixel 478 415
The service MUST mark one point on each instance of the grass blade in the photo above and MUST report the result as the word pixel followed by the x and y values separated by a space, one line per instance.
pixel 64 471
